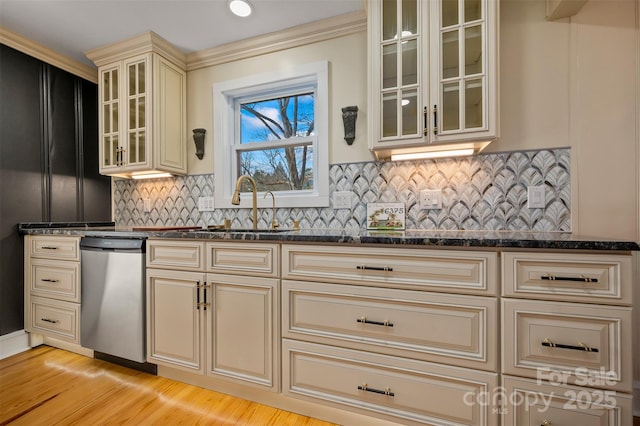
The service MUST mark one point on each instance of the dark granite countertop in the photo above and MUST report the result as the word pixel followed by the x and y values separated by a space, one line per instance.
pixel 428 238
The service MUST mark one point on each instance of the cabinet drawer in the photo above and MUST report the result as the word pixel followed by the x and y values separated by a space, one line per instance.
pixel 436 270
pixel 573 339
pixel 243 258
pixel 174 254
pixel 458 330
pixel 54 318
pixel 55 279
pixel 568 277
pixel 390 387
pixel 54 247
pixel 531 404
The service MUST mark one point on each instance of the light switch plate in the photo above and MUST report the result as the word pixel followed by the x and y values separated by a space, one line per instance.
pixel 341 199
pixel 535 197
pixel 205 204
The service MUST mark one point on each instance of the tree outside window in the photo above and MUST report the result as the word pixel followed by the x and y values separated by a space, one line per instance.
pixel 274 127
pixel 287 124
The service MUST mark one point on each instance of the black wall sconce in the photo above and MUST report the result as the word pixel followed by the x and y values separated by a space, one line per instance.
pixel 198 138
pixel 349 115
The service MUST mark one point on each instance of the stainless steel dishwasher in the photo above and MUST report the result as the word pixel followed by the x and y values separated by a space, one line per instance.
pixel 112 319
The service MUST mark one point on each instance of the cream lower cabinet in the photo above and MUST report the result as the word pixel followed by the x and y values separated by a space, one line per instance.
pixel 385 340
pixel 174 320
pixel 220 325
pixel 52 286
pixel 567 338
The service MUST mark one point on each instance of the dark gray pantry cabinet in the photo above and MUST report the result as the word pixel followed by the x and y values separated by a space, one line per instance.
pixel 48 162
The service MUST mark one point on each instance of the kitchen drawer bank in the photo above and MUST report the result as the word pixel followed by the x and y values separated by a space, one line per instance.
pixel 366 342
pixel 416 334
pixel 215 320
pixel 52 291
pixel 567 321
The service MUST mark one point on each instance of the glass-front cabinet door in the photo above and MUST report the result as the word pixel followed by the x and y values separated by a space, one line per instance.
pixel 138 79
pixel 462 73
pixel 400 56
pixel 433 72
pixel 110 119
pixel 125 115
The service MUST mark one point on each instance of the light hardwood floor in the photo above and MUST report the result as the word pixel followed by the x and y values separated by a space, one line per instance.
pixel 47 386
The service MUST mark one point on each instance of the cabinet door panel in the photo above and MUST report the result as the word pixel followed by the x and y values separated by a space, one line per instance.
pixel 242 329
pixel 174 319
pixel 170 115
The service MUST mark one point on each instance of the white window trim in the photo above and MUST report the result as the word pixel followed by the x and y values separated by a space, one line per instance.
pixel 224 128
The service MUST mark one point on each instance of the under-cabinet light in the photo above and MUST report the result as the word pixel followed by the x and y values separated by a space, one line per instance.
pixel 150 175
pixel 432 154
pixel 240 8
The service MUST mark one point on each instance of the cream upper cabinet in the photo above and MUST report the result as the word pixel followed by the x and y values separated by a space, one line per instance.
pixel 433 75
pixel 142 114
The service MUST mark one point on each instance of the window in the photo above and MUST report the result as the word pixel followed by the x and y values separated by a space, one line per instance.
pixel 274 128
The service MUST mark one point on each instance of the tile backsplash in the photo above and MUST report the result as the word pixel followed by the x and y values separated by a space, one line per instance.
pixel 483 192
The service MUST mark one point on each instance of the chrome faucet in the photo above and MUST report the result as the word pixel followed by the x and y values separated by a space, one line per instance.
pixel 236 196
pixel 274 221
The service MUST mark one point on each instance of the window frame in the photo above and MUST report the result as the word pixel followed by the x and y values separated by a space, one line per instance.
pixel 227 96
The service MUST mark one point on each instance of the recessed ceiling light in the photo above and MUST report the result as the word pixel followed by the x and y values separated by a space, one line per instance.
pixel 240 8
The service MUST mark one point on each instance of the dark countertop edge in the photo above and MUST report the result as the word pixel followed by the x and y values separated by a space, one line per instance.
pixel 561 241
pixel 57 225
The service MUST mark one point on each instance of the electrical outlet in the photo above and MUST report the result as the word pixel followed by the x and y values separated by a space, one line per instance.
pixel 205 204
pixel 535 197
pixel 430 199
pixel 147 205
pixel 341 200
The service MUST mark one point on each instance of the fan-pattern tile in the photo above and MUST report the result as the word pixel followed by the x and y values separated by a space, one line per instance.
pixel 484 192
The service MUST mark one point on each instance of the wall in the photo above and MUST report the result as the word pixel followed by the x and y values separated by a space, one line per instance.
pixel 48 162
pixel 567 83
pixel 486 192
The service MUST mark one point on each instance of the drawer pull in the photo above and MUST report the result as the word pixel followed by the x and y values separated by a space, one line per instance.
pixel 49 320
pixel 581 346
pixel 49 280
pixel 364 320
pixel 374 268
pixel 386 391
pixel 49 248
pixel 581 279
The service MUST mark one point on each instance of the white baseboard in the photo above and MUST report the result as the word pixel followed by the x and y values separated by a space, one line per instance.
pixel 13 343
pixel 636 398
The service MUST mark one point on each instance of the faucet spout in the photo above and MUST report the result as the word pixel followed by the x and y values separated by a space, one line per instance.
pixel 235 200
pixel 274 221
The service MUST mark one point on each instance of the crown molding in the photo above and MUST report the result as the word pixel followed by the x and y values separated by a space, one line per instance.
pixel 300 35
pixel 138 45
pixel 38 51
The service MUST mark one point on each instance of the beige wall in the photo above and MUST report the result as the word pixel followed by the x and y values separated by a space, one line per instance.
pixel 564 83
pixel 347 58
